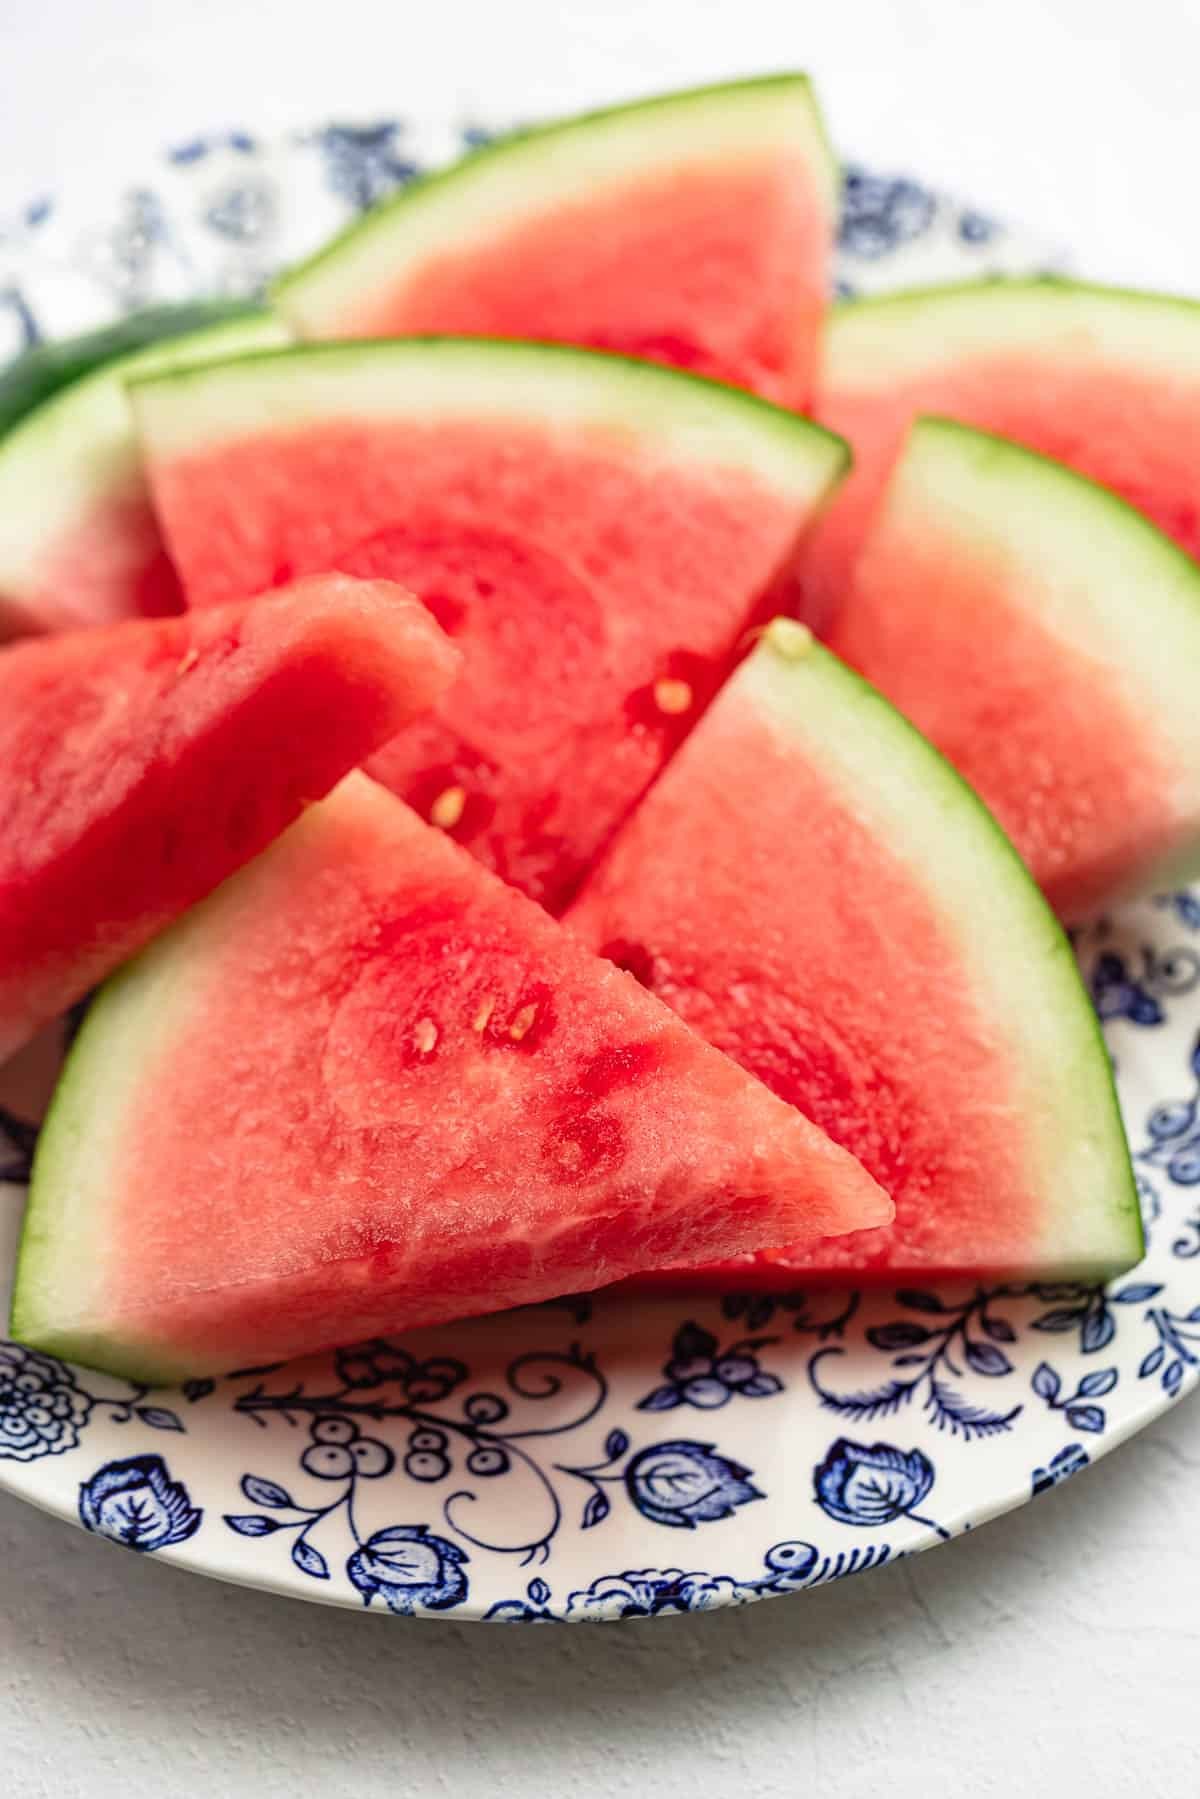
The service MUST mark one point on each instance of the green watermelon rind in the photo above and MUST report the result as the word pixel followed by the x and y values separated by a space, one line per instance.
pixel 188 408
pixel 881 337
pixel 49 368
pixel 854 731
pixel 344 265
pixel 78 447
pixel 68 1137
pixel 1100 575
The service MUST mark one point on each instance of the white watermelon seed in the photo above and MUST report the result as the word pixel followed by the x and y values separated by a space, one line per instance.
pixel 672 697
pixel 447 808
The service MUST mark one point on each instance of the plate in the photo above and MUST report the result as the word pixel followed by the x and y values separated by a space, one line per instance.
pixel 597 1459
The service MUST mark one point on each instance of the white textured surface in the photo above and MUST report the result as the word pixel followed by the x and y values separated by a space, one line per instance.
pixel 1054 1651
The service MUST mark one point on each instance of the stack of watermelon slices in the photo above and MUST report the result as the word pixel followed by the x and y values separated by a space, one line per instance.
pixel 354 1079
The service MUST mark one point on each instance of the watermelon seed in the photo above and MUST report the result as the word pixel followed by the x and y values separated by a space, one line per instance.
pixel 447 808
pixel 522 1024
pixel 672 696
pixel 425 1035
pixel 481 1018
pixel 189 661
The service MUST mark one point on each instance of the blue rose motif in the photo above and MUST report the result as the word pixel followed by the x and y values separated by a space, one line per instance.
pixel 407 1566
pixel 136 1503
pixel 42 1409
pixel 871 1486
pixel 684 1484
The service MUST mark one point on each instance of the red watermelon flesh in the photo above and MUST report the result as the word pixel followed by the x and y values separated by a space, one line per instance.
pixel 141 763
pixel 1104 380
pixel 594 534
pixel 695 229
pixel 812 888
pixel 1047 639
pixel 417 1098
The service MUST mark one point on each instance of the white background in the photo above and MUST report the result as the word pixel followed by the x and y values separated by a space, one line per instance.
pixel 1055 1652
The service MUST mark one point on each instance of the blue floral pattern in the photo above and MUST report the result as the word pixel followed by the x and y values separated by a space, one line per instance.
pixel 842 1430
pixel 137 1504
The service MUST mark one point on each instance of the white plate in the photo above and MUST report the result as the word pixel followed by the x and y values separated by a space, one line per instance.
pixel 598 1459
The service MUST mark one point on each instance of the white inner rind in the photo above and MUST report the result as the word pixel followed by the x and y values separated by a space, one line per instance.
pixel 1019 963
pixel 637 406
pixel 494 192
pixel 78 448
pixel 893 338
pixel 1089 569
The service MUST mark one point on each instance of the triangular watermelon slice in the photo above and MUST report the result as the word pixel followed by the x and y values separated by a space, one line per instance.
pixel 142 763
pixel 78 541
pixel 1047 639
pixel 695 229
pixel 365 1086
pixel 1105 380
pixel 595 533
pixel 813 889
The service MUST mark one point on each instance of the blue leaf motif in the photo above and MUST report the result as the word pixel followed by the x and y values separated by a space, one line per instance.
pixel 683 1484
pixel 615 1444
pixel 999 1330
pixel 985 1358
pixel 1064 1320
pixel 1085 1417
pixel 252 1524
pixel 309 1560
pixel 875 1485
pixel 902 1334
pixel 1136 1294
pixel 538 1592
pixel 157 1417
pixel 1046 1383
pixel 198 1389
pixel 596 1510
pixel 265 1492
pixel 1098 1330
pixel 919 1301
pixel 1152 1362
pixel 1102 1381
pixel 662 1399
pixel 761 1386
pixel 1173 1378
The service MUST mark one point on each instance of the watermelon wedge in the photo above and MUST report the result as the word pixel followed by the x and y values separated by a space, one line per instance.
pixel 1047 639
pixel 142 763
pixel 78 542
pixel 365 1086
pixel 1105 380
pixel 595 533
pixel 815 891
pixel 694 229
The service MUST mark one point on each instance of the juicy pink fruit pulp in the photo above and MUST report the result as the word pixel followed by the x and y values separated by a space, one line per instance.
pixel 419 1099
pixel 109 565
pixel 717 267
pixel 141 764
pixel 1131 433
pixel 574 576
pixel 790 937
pixel 1045 733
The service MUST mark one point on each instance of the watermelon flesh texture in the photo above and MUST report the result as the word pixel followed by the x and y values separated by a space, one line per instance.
pixel 695 230
pixel 594 534
pixel 1047 639
pixel 142 763
pixel 418 1098
pixel 812 888
pixel 1104 380
pixel 78 541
